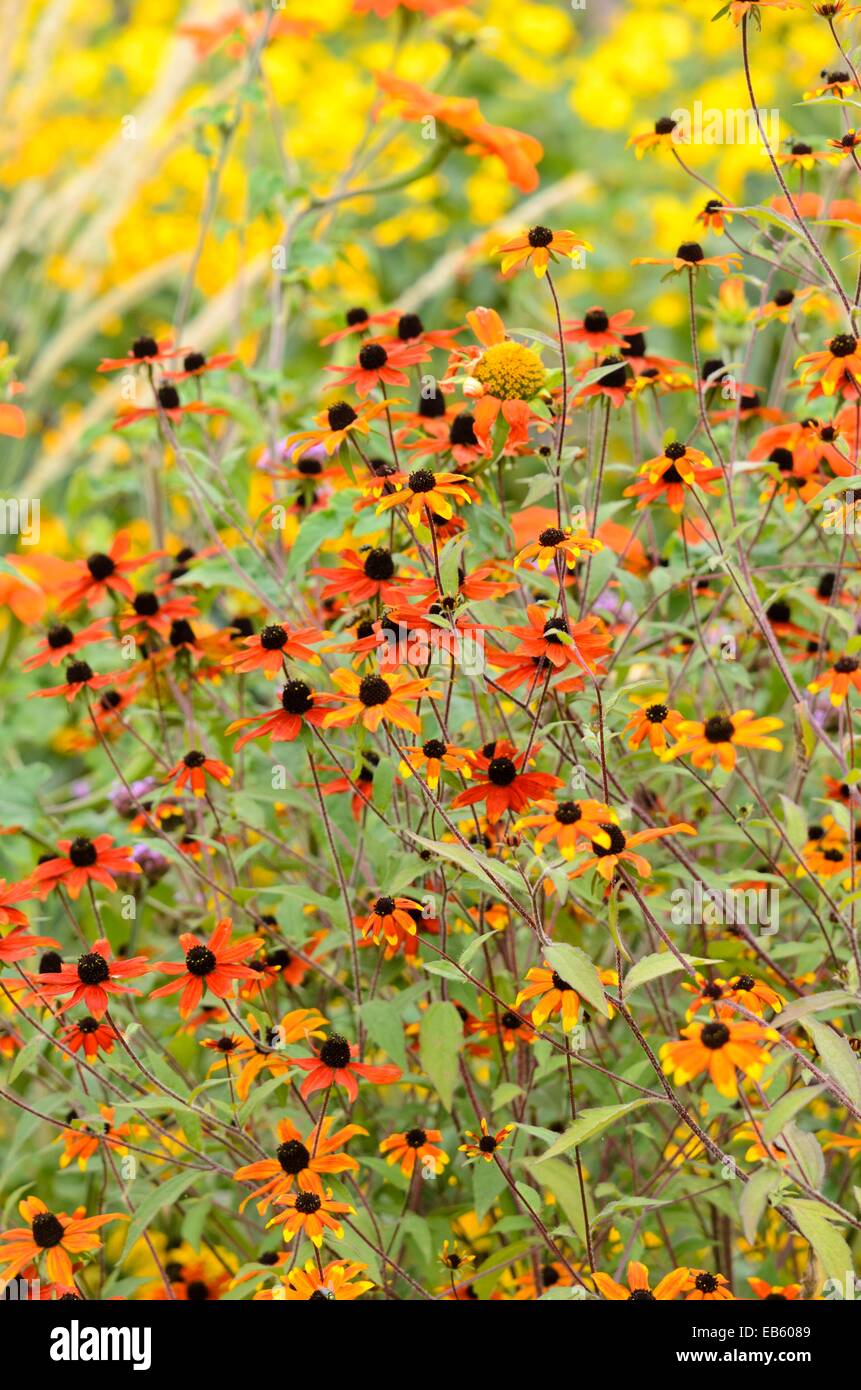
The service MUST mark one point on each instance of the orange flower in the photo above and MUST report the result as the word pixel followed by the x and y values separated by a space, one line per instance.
pixel 195 767
pixel 703 1287
pixel 835 368
pixel 379 366
pixel 539 246
pixel 215 966
pixel 690 256
pixel 268 650
pixel 606 859
pixel 84 861
pixel 566 822
pixel 92 979
pixel 336 1281
pixel 431 757
pixel 334 1066
pixel 338 422
pixel 554 995
pixel 720 1050
pixel 554 542
pixel 374 698
pixel 426 495
pixel 638 1284
pixel 285 724
pixel 845 673
pixel 485 1144
pixel 60 642
pixel 653 721
pixel 81 1144
pixel 299 1160
pixel 390 919
pixel 415 1146
pixel 505 786
pixel 667 476
pixel 312 1215
pixel 58 1237
pixel 665 133
pixel 774 1292
pixel 91 1035
pixel 103 573
pixel 719 736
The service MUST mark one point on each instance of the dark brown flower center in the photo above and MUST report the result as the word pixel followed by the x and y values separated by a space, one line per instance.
pixel 93 969
pixel 200 961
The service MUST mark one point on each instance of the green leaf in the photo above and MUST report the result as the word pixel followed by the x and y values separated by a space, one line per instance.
pixel 838 1058
pixel 786 1109
pixel 563 1182
pixel 165 1195
pixel 589 1123
pixel 440 1041
pixel 653 967
pixel 577 970
pixel 814 1221
pixel 383 1022
pixel 754 1200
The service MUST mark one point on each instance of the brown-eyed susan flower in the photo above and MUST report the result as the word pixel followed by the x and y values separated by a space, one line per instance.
pixel 665 133
pixel 561 642
pixel 538 247
pixel 654 721
pixel 836 367
pixel 81 676
pixel 715 216
pixel 740 9
pixel 600 331
pixel 312 1215
pixel 504 783
pixel 151 612
pixel 429 759
pixel 605 859
pixel 91 979
pixel 639 1289
pixel 90 1036
pixel 268 649
pixel 336 1281
pixel 298 707
pixel 775 1293
pixel 802 156
pixel 837 83
pixel 194 768
pixel 426 495
pixel 60 642
pixel 216 966
pixel 379 366
pixel 484 1145
pixel 850 1144
pixel 254 1051
pixel 103 573
pixel 566 822
pixel 720 735
pixel 11 893
pixel 453 1257
pixel 196 364
pixel 168 405
pixel 561 542
pixel 299 1160
pixel 333 1065
pixel 362 576
pixel 754 995
pixel 374 698
pixel 552 994
pixel 841 677
pixel 690 256
pixel 80 1144
pixel 701 1286
pixel 719 1049
pixel 338 422
pixel 82 861
pixel 668 475
pixel 415 1146
pixel 56 1236
pixel 144 352
pixel 358 320
pixel 388 919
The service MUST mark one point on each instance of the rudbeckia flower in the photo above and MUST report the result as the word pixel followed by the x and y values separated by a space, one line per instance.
pixel 334 1066
pixel 691 256
pixel 104 573
pixel 844 674
pixel 168 404
pixel 719 1049
pixel 555 542
pixel 503 377
pixel 60 642
pixel 358 320
pixel 92 978
pixel 285 724
pixel 714 216
pixel 84 861
pixel 372 699
pixel 378 366
pixel 144 352
pixel 703 1287
pixel 503 784
pixel 774 1293
pixel 605 859
pixel 268 649
pixel 335 1281
pixel 838 366
pixel 739 9
pixel 194 768
pixel 719 736
pixel 638 1285
pixel 79 1145
pixel 312 1215
pixel 389 919
pixel 90 1036
pixel 485 1144
pixel 553 995
pixel 18 944
pixel 57 1237
pixel 415 1146
pixel 654 721
pixel 338 422
pixel 425 495
pixel 431 757
pixel 362 576
pixel 196 364
pixel 665 133
pixel 561 642
pixel 538 247
pixel 299 1161
pixel 598 330
pixel 838 84
pixel 566 822
pixel 215 966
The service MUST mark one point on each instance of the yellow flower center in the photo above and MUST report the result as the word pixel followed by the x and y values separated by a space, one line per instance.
pixel 510 371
